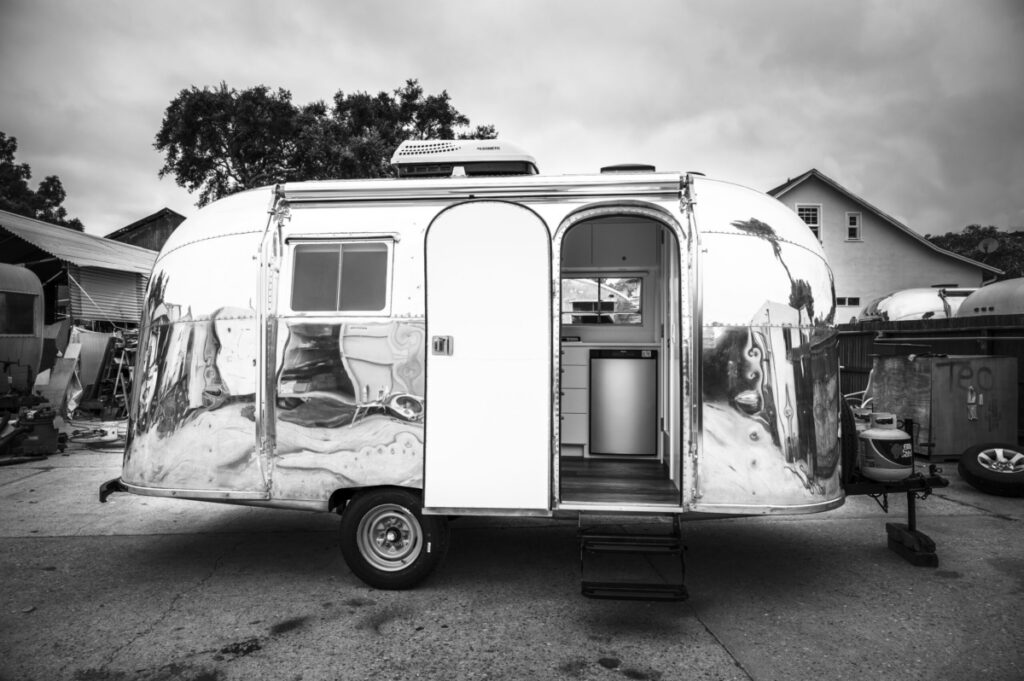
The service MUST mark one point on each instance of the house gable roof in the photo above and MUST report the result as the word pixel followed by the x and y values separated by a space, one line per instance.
pixel 145 221
pixel 789 185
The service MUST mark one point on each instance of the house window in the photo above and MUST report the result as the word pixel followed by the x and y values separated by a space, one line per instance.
pixel 602 300
pixel 849 300
pixel 811 214
pixel 17 314
pixel 351 276
pixel 853 226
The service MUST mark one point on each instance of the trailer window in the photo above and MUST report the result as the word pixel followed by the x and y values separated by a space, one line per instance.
pixel 340 277
pixel 17 313
pixel 602 300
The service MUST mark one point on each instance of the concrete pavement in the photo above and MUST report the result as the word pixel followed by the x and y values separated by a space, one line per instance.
pixel 158 589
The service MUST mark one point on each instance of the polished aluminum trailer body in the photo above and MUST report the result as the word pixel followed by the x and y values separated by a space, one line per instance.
pixel 246 391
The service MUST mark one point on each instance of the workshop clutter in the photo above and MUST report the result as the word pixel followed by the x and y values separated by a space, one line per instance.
pixel 956 401
pixel 30 433
pixel 81 397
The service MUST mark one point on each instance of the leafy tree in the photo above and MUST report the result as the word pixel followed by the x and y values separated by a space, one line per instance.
pixel 975 242
pixel 219 141
pixel 16 196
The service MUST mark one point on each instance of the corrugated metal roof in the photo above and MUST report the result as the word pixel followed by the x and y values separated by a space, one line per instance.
pixel 78 248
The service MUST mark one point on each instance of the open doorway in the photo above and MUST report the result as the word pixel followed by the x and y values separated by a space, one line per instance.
pixel 620 366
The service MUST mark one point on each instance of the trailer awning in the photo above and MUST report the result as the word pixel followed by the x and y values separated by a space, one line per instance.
pixel 77 248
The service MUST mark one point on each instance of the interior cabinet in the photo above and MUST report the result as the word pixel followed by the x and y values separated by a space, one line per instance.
pixel 575 401
pixel 623 244
pixel 576 247
pixel 611 244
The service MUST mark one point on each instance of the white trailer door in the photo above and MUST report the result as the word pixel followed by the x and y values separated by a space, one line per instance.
pixel 488 382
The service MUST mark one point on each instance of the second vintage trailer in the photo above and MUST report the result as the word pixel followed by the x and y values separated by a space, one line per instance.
pixel 472 338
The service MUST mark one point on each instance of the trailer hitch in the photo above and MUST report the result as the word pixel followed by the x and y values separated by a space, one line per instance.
pixel 904 538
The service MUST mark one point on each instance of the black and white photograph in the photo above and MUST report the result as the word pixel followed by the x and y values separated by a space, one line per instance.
pixel 451 340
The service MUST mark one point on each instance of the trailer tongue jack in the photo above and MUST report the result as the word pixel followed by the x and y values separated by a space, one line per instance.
pixel 905 539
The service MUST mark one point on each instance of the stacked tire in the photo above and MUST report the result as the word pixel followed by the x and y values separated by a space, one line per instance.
pixel 994 468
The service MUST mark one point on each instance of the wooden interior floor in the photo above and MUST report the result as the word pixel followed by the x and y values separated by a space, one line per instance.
pixel 616 481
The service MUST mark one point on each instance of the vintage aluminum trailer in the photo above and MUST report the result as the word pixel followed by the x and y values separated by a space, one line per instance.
pixel 21 326
pixel 407 350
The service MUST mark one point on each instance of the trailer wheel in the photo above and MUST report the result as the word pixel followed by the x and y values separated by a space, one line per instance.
pixel 848 441
pixel 387 542
pixel 994 468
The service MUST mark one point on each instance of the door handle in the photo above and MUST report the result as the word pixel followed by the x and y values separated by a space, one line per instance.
pixel 442 345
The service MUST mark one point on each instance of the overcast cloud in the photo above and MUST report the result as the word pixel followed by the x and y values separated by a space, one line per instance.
pixel 918 107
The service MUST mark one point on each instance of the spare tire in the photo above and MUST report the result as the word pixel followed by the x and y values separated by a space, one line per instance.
pixel 994 468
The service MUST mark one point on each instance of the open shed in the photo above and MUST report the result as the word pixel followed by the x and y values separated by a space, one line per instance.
pixel 87 279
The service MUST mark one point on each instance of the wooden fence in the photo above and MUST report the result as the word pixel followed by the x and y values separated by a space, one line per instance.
pixel 998 335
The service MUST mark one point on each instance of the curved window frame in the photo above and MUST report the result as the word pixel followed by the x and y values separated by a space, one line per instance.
pixel 317 289
pixel 19 320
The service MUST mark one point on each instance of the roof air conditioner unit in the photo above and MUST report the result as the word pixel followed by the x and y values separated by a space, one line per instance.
pixel 458 158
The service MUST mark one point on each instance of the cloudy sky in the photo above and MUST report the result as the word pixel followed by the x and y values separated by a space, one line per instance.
pixel 916 106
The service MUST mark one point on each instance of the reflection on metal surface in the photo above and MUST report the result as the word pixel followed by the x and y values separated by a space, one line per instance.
pixel 191 421
pixel 770 416
pixel 348 403
pixel 770 372
pixel 318 375
pixel 350 407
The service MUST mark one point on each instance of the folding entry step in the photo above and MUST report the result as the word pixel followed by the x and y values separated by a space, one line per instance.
pixel 632 558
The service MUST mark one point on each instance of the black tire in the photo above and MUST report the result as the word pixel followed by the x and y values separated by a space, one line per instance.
pixel 994 468
pixel 387 541
pixel 848 442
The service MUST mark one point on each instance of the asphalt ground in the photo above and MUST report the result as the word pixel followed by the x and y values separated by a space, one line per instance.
pixel 160 589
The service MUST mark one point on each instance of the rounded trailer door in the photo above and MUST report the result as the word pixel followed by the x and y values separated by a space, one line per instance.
pixel 488 381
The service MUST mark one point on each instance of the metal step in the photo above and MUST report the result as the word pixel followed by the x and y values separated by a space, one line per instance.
pixel 656 555
pixel 630 543
pixel 625 591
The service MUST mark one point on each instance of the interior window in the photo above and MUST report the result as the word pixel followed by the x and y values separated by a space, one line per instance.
pixel 342 277
pixel 602 300
pixel 17 313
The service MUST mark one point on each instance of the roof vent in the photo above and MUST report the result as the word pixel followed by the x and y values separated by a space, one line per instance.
pixel 459 158
pixel 628 168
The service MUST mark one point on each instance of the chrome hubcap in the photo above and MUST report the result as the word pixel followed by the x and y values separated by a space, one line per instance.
pixel 390 537
pixel 1001 460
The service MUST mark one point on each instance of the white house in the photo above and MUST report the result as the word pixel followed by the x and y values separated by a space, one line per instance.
pixel 871 253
